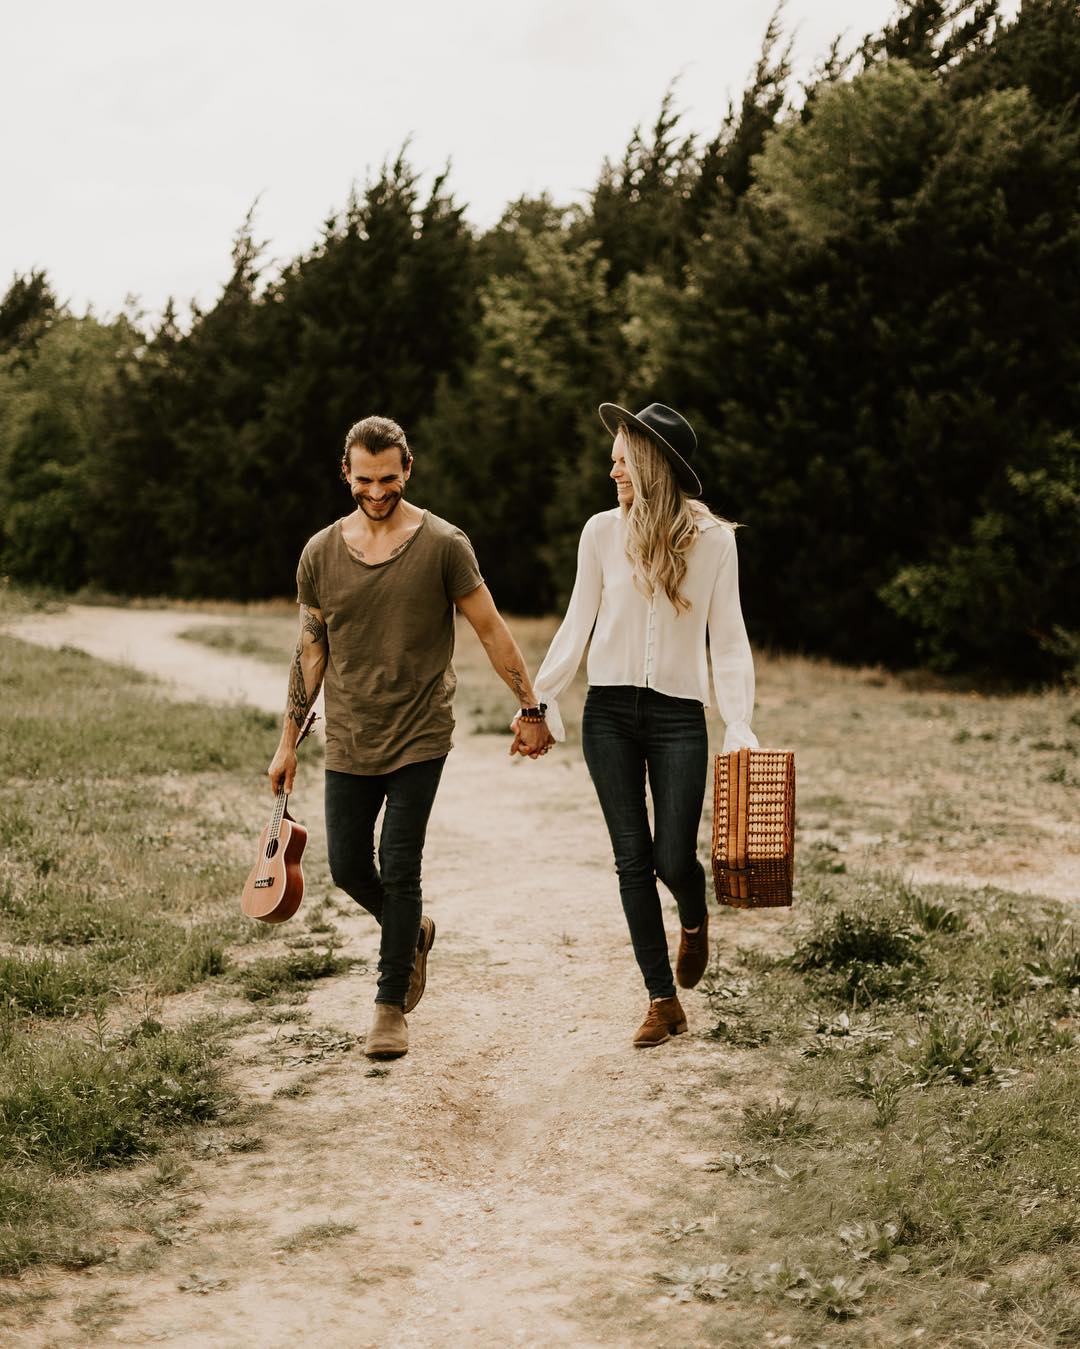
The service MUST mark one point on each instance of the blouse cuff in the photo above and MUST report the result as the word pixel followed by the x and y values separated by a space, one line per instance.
pixel 738 735
pixel 554 718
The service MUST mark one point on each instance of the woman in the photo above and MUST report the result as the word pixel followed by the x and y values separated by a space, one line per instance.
pixel 656 577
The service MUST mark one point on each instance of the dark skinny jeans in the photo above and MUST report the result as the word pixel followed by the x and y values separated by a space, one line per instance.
pixel 629 733
pixel 390 891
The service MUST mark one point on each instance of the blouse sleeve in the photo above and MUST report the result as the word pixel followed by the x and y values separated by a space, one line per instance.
pixel 568 645
pixel 732 661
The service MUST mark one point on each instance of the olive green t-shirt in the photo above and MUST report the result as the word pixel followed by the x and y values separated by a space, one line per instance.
pixel 390 681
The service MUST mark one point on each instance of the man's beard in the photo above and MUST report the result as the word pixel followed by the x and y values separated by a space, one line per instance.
pixel 382 514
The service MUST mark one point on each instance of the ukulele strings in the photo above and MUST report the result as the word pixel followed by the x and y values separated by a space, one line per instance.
pixel 274 829
pixel 272 834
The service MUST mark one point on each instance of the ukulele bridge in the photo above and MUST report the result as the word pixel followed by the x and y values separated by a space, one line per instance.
pixel 264 882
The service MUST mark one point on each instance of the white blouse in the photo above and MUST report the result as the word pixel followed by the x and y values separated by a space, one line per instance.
pixel 645 642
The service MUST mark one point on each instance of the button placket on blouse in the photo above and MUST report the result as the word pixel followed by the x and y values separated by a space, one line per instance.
pixel 650 639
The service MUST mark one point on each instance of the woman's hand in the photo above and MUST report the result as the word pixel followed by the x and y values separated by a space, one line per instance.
pixel 531 737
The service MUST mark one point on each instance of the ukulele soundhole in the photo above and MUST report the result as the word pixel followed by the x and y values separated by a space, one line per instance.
pixel 272 847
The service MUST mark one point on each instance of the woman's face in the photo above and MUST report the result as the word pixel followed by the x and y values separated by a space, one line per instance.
pixel 620 474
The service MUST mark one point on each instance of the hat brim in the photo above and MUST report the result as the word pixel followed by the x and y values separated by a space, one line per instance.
pixel 613 416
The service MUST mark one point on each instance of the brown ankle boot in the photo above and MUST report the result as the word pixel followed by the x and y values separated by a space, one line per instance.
pixel 418 980
pixel 388 1036
pixel 693 955
pixel 664 1019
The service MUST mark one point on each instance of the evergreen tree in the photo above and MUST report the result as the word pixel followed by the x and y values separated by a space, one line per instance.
pixel 27 309
pixel 501 454
pixel 54 391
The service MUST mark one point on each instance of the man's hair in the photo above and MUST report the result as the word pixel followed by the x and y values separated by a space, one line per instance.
pixel 375 434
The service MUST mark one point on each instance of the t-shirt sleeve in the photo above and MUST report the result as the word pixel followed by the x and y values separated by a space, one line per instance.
pixel 461 569
pixel 306 592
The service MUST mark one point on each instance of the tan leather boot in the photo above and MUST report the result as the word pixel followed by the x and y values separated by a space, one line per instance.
pixel 418 980
pixel 388 1036
pixel 693 957
pixel 664 1019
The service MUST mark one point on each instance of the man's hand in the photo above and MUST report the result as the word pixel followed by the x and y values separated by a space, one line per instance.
pixel 282 770
pixel 531 738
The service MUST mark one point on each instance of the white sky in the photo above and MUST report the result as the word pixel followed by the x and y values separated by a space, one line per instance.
pixel 136 134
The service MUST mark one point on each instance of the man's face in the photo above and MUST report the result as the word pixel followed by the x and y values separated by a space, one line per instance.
pixel 377 481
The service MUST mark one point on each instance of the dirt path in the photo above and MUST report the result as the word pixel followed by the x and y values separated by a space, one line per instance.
pixel 492 1188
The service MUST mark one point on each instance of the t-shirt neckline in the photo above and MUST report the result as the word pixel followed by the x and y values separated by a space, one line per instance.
pixel 394 557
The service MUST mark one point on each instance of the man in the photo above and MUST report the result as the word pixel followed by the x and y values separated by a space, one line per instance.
pixel 377 591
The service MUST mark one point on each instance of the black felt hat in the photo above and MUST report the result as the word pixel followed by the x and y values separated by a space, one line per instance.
pixel 672 434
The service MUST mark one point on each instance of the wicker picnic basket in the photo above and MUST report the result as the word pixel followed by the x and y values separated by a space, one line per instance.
pixel 753 848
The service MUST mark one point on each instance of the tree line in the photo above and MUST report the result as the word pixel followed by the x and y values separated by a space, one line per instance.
pixel 864 292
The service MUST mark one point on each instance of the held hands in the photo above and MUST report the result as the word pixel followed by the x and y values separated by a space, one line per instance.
pixel 531 738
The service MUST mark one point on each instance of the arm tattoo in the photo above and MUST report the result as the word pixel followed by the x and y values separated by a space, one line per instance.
pixel 314 627
pixel 299 701
pixel 516 678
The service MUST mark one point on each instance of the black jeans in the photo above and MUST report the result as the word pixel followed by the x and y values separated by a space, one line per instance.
pixel 627 732
pixel 391 891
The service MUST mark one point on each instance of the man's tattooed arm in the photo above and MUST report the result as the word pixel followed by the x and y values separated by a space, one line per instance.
pixel 516 680
pixel 308 667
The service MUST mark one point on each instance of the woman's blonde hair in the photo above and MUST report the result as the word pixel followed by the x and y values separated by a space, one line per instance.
pixel 662 522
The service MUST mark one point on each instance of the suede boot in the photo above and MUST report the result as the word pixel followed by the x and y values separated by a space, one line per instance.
pixel 693 955
pixel 418 980
pixel 664 1019
pixel 388 1036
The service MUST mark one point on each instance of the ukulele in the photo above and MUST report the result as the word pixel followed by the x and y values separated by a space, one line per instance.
pixel 275 887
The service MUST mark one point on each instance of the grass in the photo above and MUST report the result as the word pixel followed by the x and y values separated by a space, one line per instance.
pixel 119 872
pixel 920 1170
pixel 272 976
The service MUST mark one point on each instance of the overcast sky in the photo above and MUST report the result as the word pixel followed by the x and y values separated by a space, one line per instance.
pixel 136 134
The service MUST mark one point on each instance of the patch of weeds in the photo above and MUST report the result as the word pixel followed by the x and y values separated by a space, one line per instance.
pixel 677 1230
pixel 883 1089
pixel 318 921
pixel 100 1312
pixel 42 1221
pixel 952 1050
pixel 201 957
pixel 700 1283
pixel 274 975
pixel 81 1103
pixel 292 1091
pixel 842 1032
pixel 839 1295
pixel 868 1241
pixel 43 986
pixel 741 1032
pixel 781 1122
pixel 823 858
pixel 934 917
pixel 1055 962
pixel 316 1235
pixel 860 957
pixel 755 960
